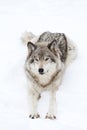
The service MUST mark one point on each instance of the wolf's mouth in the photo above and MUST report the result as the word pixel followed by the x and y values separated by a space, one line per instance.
pixel 41 73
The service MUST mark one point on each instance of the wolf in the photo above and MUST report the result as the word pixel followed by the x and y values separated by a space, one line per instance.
pixel 48 56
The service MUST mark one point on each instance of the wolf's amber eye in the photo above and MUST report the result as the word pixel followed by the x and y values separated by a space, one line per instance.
pixel 46 58
pixel 32 60
pixel 37 59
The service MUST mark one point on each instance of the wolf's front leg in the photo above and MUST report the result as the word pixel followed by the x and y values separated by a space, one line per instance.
pixel 33 97
pixel 52 106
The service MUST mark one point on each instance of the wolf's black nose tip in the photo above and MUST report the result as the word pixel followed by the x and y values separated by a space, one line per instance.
pixel 41 70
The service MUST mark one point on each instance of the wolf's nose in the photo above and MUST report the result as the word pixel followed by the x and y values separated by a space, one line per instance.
pixel 41 70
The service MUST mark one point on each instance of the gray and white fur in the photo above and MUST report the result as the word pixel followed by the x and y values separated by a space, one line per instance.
pixel 48 56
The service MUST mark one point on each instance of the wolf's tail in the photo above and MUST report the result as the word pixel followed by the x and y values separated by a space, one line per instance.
pixel 27 36
pixel 72 51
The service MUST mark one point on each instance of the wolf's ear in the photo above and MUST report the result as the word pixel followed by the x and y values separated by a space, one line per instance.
pixel 53 47
pixel 31 47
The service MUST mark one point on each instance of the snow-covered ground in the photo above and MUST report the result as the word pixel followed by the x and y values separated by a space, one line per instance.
pixel 16 16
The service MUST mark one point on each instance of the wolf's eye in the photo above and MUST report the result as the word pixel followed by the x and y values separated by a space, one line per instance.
pixel 32 60
pixel 37 59
pixel 47 58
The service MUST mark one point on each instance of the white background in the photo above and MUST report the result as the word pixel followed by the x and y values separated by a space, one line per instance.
pixel 67 16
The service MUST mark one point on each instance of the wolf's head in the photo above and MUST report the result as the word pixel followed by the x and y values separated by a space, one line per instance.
pixel 43 60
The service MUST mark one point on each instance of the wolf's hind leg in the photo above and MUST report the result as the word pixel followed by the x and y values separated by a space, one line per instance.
pixel 72 52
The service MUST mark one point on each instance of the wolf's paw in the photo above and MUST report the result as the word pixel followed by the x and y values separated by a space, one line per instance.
pixel 34 116
pixel 50 116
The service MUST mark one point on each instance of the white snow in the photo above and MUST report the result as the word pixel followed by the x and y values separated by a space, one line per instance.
pixel 16 16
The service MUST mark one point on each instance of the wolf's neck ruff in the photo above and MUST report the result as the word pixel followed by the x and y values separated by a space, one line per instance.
pixel 36 79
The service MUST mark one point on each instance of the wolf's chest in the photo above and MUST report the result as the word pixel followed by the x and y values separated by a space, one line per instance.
pixel 44 80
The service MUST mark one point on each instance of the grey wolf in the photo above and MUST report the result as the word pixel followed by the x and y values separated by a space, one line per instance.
pixel 49 54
